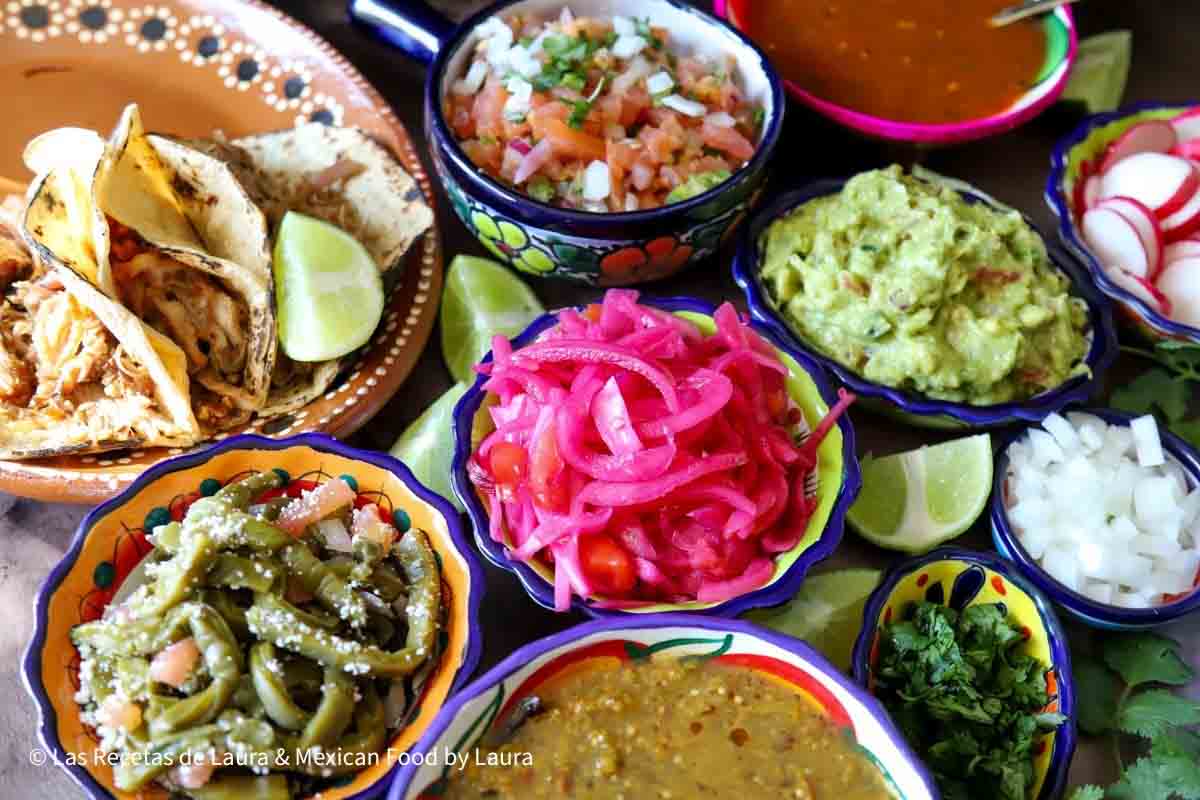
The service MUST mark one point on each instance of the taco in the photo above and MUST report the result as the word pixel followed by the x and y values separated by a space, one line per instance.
pixel 185 249
pixel 79 373
pixel 340 175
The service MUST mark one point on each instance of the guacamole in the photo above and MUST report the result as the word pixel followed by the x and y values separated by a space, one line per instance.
pixel 912 287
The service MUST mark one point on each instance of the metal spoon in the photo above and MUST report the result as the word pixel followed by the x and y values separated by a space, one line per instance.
pixel 1025 9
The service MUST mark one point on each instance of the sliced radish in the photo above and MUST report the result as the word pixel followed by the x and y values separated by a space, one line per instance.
pixel 1188 248
pixel 1187 124
pixel 1116 242
pixel 1188 149
pixel 1180 284
pixel 1091 192
pixel 1146 225
pixel 1160 182
pixel 1184 222
pixel 1143 290
pixel 1153 136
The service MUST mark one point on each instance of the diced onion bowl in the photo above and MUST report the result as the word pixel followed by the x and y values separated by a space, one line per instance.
pixel 1088 610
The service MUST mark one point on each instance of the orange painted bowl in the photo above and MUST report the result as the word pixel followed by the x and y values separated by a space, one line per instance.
pixel 111 541
pixel 957 578
pixel 608 643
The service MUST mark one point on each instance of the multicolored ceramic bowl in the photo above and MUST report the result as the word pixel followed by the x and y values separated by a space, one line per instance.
pixel 111 541
pixel 590 248
pixel 1089 611
pixel 484 705
pixel 959 578
pixel 907 407
pixel 1075 159
pixel 1061 46
pixel 838 481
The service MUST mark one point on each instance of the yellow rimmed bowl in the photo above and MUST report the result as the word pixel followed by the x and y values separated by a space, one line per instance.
pixel 838 480
pixel 958 578
pixel 111 541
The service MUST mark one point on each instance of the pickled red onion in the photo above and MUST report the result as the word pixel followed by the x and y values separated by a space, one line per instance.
pixel 684 450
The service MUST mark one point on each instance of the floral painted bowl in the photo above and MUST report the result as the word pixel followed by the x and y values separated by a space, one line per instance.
pixel 838 481
pixel 111 541
pixel 1075 159
pixel 909 407
pixel 1061 47
pixel 485 704
pixel 959 578
pixel 615 249
pixel 1098 615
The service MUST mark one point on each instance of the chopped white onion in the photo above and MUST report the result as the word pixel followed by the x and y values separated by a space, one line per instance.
pixel 596 181
pixel 660 82
pixel 631 201
pixel 684 106
pixel 335 534
pixel 638 68
pixel 628 46
pixel 721 119
pixel 566 17
pixel 523 63
pixel 1145 439
pixel 472 82
pixel 624 26
pixel 1104 510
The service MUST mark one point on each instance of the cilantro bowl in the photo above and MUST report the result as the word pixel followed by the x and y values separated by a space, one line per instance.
pixel 958 578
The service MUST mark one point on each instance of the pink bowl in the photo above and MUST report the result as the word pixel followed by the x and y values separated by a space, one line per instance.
pixel 1062 44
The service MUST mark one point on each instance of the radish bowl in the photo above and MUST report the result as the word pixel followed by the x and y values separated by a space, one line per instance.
pixel 1124 202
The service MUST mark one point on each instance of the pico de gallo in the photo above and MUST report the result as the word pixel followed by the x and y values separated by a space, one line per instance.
pixel 599 115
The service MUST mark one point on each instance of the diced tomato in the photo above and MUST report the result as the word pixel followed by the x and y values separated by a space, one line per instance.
pixel 544 469
pixel 727 140
pixel 571 143
pixel 488 109
pixel 312 507
pixel 658 145
pixel 173 664
pixel 485 155
pixel 508 461
pixel 607 564
pixel 458 113
pixel 634 104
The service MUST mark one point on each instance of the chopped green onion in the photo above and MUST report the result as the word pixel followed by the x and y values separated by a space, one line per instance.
pixel 541 189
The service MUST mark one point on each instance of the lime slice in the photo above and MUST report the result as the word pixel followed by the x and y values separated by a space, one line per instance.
pixel 328 291
pixel 482 299
pixel 427 445
pixel 826 612
pixel 1100 72
pixel 917 500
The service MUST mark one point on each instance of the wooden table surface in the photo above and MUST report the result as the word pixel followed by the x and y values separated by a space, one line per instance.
pixel 1012 167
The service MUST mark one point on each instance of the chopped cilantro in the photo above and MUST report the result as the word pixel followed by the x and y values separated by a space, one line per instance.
pixel 760 116
pixel 573 80
pixel 643 29
pixel 525 41
pixel 609 39
pixel 581 108
pixel 967 697
pixel 488 140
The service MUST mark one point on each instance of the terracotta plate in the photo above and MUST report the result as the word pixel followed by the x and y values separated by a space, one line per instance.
pixel 196 66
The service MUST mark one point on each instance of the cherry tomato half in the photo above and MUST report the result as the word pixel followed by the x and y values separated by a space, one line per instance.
pixel 508 461
pixel 607 564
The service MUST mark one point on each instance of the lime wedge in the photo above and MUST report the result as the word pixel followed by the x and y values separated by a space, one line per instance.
pixel 917 500
pixel 826 612
pixel 328 291
pixel 427 445
pixel 482 298
pixel 1100 72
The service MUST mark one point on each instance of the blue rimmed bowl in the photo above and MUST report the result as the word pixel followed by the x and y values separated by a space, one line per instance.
pixel 838 480
pixel 1076 157
pixel 485 704
pixel 1098 615
pixel 956 577
pixel 605 249
pixel 111 541
pixel 909 407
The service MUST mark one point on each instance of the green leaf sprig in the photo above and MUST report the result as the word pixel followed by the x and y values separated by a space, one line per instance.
pixel 1165 389
pixel 1125 695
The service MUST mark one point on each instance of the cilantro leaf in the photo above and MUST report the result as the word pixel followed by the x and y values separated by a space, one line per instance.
pixel 1100 686
pixel 1153 712
pixel 1088 792
pixel 1155 778
pixel 1183 358
pixel 1188 430
pixel 1154 388
pixel 1147 658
